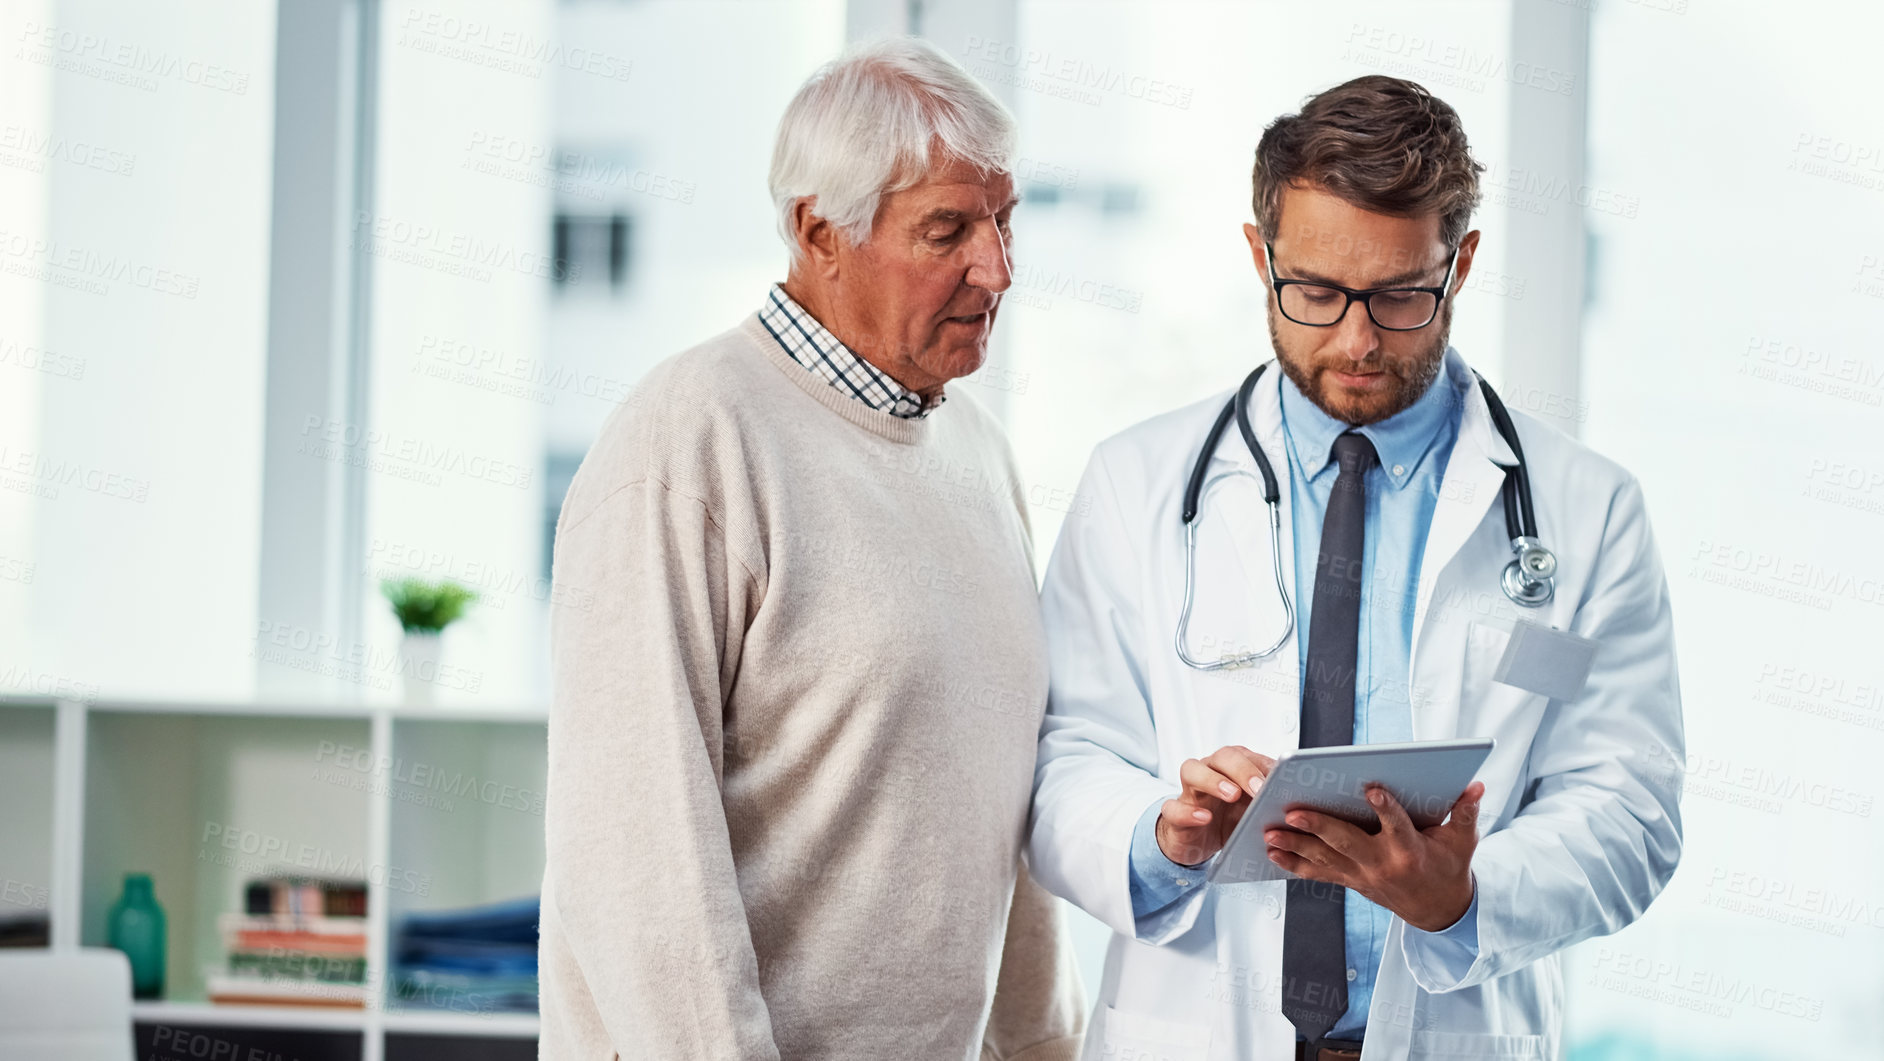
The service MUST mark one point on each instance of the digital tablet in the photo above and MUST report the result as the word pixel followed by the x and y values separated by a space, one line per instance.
pixel 1425 776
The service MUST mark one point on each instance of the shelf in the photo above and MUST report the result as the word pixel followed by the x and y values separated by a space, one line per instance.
pixel 516 713
pixel 239 708
pixel 206 802
pixel 301 709
pixel 314 1018
pixel 27 762
pixel 297 1018
pixel 424 713
pixel 492 1025
pixel 437 807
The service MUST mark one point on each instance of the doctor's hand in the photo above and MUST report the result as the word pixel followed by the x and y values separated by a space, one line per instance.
pixel 1423 875
pixel 1194 826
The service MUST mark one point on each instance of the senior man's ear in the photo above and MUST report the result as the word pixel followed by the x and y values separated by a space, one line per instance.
pixel 817 238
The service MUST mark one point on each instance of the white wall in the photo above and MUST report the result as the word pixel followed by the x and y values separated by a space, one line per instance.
pixel 1732 362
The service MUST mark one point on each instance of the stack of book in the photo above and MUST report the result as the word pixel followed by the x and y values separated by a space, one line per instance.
pixel 25 930
pixel 299 941
pixel 478 960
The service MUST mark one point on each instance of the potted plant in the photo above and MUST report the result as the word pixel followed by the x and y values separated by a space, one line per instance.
pixel 424 609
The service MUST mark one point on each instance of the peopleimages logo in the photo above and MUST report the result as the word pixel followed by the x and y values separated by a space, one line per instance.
pixel 503 48
pixel 1447 62
pixel 456 253
pixel 566 170
pixel 534 372
pixel 45 475
pixel 416 775
pixel 251 851
pixel 87 268
pixel 25 148
pixel 39 359
pixel 327 438
pixel 113 59
pixel 1045 70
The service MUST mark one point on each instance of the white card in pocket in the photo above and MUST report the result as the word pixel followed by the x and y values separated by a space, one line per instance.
pixel 1542 659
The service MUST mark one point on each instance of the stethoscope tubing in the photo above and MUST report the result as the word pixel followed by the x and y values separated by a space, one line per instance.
pixel 1520 517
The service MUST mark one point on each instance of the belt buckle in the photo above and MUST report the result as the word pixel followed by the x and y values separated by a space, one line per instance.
pixel 1328 1050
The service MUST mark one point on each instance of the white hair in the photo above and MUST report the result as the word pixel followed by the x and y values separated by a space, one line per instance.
pixel 863 126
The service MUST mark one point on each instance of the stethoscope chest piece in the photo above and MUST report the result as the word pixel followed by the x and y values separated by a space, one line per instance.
pixel 1530 579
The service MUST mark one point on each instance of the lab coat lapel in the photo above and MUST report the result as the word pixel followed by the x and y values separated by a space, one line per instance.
pixel 1471 489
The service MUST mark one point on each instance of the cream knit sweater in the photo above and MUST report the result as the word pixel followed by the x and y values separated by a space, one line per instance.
pixel 798 673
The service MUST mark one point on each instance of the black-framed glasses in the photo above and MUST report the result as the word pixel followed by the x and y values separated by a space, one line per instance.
pixel 1395 309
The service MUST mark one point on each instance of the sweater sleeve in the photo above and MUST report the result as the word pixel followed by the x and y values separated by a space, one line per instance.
pixel 1039 1006
pixel 646 631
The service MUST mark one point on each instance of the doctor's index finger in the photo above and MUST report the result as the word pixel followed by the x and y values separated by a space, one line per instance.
pixel 1337 835
pixel 1200 779
pixel 1247 768
pixel 1393 817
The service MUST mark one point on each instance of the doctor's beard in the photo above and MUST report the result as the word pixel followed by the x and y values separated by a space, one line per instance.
pixel 1410 375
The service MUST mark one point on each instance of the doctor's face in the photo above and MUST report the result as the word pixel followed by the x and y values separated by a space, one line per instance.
pixel 1355 370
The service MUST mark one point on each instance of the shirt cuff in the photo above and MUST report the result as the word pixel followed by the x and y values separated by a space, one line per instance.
pixel 1451 950
pixel 1156 881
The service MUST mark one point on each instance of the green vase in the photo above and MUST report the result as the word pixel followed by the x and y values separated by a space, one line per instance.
pixel 136 927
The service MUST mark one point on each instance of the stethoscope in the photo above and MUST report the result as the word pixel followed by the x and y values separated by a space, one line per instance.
pixel 1529 579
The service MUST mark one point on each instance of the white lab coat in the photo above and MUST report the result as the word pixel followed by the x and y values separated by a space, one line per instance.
pixel 1579 826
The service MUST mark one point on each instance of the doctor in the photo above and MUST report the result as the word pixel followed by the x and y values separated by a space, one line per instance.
pixel 1392 541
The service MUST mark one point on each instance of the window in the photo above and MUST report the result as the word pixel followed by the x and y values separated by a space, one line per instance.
pixel 134 279
pixel 589 220
pixel 591 251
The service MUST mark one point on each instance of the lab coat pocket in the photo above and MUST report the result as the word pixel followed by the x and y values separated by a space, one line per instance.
pixel 1545 660
pixel 1460 1046
pixel 1143 1037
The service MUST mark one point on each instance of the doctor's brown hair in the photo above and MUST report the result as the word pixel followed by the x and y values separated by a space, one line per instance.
pixel 1381 143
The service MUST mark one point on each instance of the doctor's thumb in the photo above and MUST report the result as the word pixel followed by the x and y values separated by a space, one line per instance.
pixel 1463 817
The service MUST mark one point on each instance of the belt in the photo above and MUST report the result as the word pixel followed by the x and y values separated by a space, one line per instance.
pixel 1328 1050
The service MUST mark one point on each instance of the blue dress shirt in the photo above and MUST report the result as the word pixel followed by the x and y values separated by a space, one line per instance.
pixel 1402 492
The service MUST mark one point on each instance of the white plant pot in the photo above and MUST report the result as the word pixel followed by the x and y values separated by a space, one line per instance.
pixel 418 661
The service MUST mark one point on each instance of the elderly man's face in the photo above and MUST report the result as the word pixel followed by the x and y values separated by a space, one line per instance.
pixel 921 293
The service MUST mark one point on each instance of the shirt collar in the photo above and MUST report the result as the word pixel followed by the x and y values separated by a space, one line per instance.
pixel 812 345
pixel 1401 440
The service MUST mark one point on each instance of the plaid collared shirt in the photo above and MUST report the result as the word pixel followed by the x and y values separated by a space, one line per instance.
pixel 825 356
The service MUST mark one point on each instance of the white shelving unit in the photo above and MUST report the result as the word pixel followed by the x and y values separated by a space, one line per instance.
pixel 436 807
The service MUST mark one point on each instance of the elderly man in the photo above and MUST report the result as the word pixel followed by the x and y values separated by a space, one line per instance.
pixel 793 734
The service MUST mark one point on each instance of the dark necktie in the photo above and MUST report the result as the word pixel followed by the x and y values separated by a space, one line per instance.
pixel 1314 931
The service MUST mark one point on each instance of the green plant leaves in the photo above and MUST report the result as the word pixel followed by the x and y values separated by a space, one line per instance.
pixel 426 606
